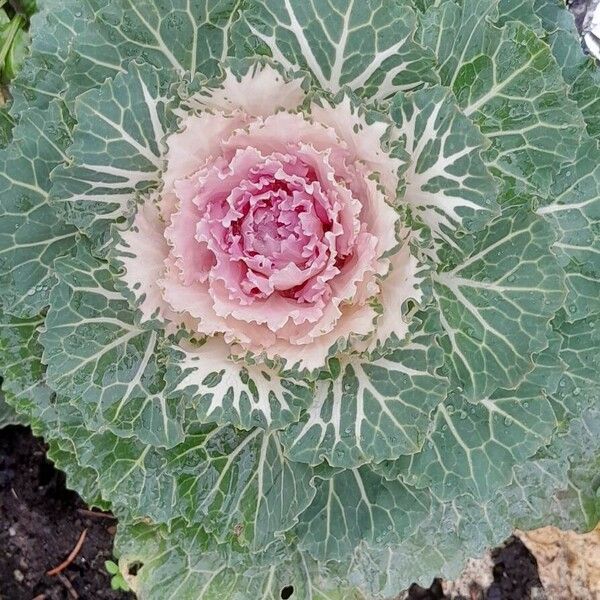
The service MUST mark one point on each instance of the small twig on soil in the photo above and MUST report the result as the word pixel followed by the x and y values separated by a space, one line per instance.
pixel 72 593
pixel 40 597
pixel 94 514
pixel 63 565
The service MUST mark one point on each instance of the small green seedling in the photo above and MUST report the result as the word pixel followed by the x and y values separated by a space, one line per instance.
pixel 117 581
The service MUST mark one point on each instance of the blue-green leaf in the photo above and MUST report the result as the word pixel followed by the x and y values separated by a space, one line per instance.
pixel 32 235
pixel 116 151
pixel 507 81
pixel 175 36
pixel 574 210
pixel 370 410
pixel 367 45
pixel 496 303
pixel 101 360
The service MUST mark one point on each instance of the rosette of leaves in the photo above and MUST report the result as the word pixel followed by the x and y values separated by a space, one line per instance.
pixel 391 462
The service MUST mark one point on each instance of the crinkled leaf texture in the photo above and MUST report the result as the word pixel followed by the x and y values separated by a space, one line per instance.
pixel 8 415
pixel 475 409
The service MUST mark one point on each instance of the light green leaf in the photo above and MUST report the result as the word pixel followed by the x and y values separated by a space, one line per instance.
pixel 496 303
pixel 18 41
pixel 527 502
pixel 52 30
pixel 31 234
pixel 101 360
pixel 370 411
pixel 447 181
pixel 244 395
pixel 366 45
pixel 184 563
pixel 358 505
pixel 578 506
pixel 116 151
pixel 6 126
pixel 574 211
pixel 175 36
pixel 507 81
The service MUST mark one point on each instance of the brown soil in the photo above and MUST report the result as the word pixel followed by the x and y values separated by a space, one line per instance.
pixel 40 523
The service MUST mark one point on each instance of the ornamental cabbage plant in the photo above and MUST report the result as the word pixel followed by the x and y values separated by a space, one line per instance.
pixel 307 293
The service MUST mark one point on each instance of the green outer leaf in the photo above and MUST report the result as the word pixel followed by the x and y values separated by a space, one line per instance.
pixel 473 447
pixel 184 563
pixel 451 533
pixel 580 505
pixel 102 361
pixel 521 11
pixel 238 485
pixel 22 369
pixel 8 416
pixel 27 393
pixel 579 70
pixel 574 211
pixel 580 342
pixel 40 80
pixel 366 45
pixel 560 485
pixel 175 36
pixel 370 411
pixel 508 82
pixel 80 478
pixel 358 505
pixel 496 303
pixel 447 181
pixel 31 234
pixel 116 151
